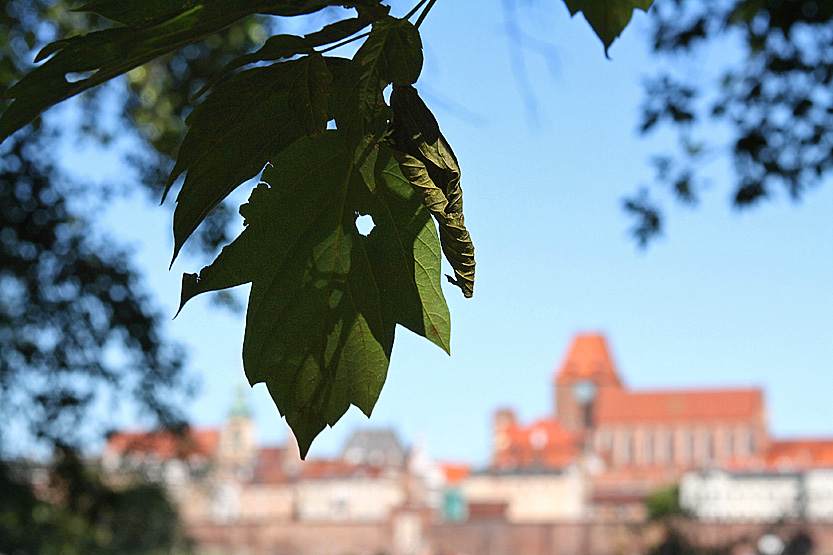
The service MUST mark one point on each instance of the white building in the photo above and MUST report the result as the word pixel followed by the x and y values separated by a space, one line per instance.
pixel 766 496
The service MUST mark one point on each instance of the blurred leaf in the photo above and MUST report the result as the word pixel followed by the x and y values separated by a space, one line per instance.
pixel 325 299
pixel 607 17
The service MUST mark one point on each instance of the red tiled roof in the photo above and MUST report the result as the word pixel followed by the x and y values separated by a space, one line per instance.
pixel 165 445
pixel 542 444
pixel 801 453
pixel 589 359
pixel 617 406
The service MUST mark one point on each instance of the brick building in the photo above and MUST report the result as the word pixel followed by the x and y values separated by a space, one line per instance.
pixel 628 443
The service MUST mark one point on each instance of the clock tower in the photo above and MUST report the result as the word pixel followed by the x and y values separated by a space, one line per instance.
pixel 585 373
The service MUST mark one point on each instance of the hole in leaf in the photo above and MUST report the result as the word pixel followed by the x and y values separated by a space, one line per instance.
pixel 331 124
pixel 365 224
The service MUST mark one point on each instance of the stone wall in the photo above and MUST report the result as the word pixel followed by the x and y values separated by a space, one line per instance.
pixel 487 537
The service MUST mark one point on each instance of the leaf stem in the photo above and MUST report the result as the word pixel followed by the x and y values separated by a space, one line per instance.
pixel 413 11
pixel 424 13
pixel 347 41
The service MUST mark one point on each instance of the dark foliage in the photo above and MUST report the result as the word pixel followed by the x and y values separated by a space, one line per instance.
pixel 83 515
pixel 775 100
pixel 65 300
pixel 664 503
pixel 79 335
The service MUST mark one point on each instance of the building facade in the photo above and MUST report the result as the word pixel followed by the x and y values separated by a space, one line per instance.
pixel 627 443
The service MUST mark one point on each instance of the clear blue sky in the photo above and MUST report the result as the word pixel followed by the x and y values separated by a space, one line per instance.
pixel 724 298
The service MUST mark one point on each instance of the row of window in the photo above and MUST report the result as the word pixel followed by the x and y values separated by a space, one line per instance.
pixel 674 446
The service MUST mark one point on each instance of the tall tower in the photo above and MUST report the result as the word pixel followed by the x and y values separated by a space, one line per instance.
pixel 585 373
pixel 237 446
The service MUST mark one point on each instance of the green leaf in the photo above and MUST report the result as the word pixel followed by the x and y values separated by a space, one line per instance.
pixel 404 251
pixel 239 127
pixel 325 300
pixel 138 13
pixel 427 161
pixel 102 55
pixel 308 94
pixel 279 47
pixel 392 52
pixel 607 17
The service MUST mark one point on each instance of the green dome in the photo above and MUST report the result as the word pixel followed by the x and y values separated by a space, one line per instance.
pixel 240 404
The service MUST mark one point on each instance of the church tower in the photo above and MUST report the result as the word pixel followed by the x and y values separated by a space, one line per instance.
pixel 237 446
pixel 585 373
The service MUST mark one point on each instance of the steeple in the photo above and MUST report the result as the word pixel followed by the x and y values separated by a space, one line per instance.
pixel 588 359
pixel 238 446
pixel 585 373
pixel 240 405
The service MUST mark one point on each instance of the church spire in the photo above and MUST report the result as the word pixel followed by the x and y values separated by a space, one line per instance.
pixel 589 359
pixel 240 405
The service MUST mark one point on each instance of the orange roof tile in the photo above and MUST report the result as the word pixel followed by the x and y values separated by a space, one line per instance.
pixel 165 444
pixel 801 453
pixel 542 444
pixel 589 359
pixel 617 406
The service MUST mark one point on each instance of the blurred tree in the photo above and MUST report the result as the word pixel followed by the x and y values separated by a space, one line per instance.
pixel 664 502
pixel 83 515
pixel 774 99
pixel 79 335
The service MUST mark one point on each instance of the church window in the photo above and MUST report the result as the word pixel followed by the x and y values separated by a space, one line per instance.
pixel 668 447
pixel 709 446
pixel 688 446
pixel 627 447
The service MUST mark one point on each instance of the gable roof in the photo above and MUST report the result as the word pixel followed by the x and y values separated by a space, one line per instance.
pixel 618 406
pixel 374 446
pixel 589 359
